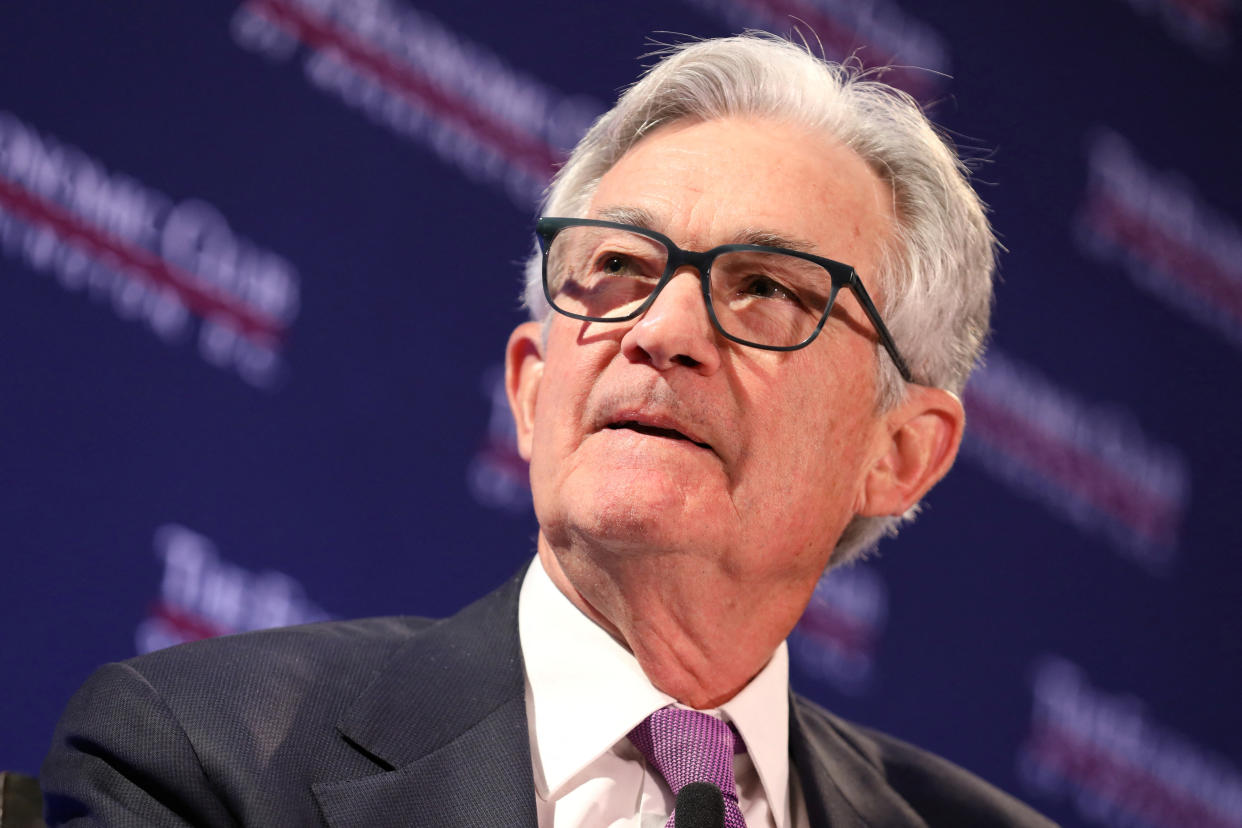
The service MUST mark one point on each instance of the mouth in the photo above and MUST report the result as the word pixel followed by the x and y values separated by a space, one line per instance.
pixel 655 431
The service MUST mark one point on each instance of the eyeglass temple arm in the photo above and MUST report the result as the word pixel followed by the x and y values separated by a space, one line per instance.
pixel 886 339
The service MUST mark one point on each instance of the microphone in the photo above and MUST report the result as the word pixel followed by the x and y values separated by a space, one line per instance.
pixel 699 805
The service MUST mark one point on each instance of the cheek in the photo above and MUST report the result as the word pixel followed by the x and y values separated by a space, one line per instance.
pixel 814 442
pixel 549 454
pixel 549 441
pixel 560 411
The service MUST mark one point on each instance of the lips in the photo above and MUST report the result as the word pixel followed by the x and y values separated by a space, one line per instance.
pixel 655 430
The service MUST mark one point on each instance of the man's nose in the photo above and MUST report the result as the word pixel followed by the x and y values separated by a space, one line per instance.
pixel 676 329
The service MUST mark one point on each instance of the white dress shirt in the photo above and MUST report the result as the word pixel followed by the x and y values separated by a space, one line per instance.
pixel 585 692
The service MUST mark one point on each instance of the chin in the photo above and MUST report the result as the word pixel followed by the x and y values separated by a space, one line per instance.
pixel 621 497
pixel 643 518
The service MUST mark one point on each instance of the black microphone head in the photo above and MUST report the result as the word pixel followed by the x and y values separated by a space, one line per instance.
pixel 699 805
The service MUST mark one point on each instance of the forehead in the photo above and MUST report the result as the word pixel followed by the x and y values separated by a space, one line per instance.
pixel 713 182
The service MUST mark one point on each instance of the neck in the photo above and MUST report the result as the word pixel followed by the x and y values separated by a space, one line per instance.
pixel 699 633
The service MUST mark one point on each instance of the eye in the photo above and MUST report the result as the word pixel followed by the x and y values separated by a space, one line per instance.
pixel 765 287
pixel 615 264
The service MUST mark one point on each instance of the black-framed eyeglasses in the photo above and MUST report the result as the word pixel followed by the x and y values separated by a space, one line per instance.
pixel 763 297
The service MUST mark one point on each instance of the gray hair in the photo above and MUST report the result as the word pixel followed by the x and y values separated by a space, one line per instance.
pixel 935 273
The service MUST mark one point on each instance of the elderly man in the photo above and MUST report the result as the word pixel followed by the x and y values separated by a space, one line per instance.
pixel 760 285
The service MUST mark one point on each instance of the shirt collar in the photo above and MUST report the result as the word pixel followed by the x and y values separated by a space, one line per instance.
pixel 588 692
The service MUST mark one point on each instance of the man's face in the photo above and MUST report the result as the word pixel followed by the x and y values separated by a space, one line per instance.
pixel 660 436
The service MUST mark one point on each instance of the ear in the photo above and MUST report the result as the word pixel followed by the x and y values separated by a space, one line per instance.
pixel 923 434
pixel 523 372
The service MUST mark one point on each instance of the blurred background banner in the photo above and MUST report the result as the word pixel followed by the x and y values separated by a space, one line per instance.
pixel 259 260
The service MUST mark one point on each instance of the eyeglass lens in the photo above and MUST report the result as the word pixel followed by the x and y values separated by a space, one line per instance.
pixel 764 297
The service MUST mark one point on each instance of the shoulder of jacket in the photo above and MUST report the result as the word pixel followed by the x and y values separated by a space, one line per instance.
pixel 941 791
pixel 274 662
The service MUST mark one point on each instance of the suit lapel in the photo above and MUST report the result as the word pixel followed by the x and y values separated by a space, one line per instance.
pixel 446 720
pixel 841 787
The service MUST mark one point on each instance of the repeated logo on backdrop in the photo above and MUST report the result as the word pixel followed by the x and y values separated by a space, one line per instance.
pixel 878 33
pixel 837 638
pixel 1120 767
pixel 203 595
pixel 426 83
pixel 1168 241
pixel 151 259
pixel 1087 462
pixel 1204 25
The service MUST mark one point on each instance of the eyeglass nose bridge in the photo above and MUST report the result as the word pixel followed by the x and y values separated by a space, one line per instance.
pixel 678 259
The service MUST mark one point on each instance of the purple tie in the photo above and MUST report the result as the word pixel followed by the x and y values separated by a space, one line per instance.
pixel 688 746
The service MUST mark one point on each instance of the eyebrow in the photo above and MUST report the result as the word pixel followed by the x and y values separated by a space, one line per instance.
pixel 769 238
pixel 640 217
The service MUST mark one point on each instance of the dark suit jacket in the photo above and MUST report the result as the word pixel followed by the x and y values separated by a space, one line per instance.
pixel 401 721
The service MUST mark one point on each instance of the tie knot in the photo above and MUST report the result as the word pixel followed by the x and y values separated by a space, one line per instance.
pixel 688 746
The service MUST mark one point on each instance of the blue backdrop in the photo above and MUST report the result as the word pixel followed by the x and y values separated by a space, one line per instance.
pixel 243 387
